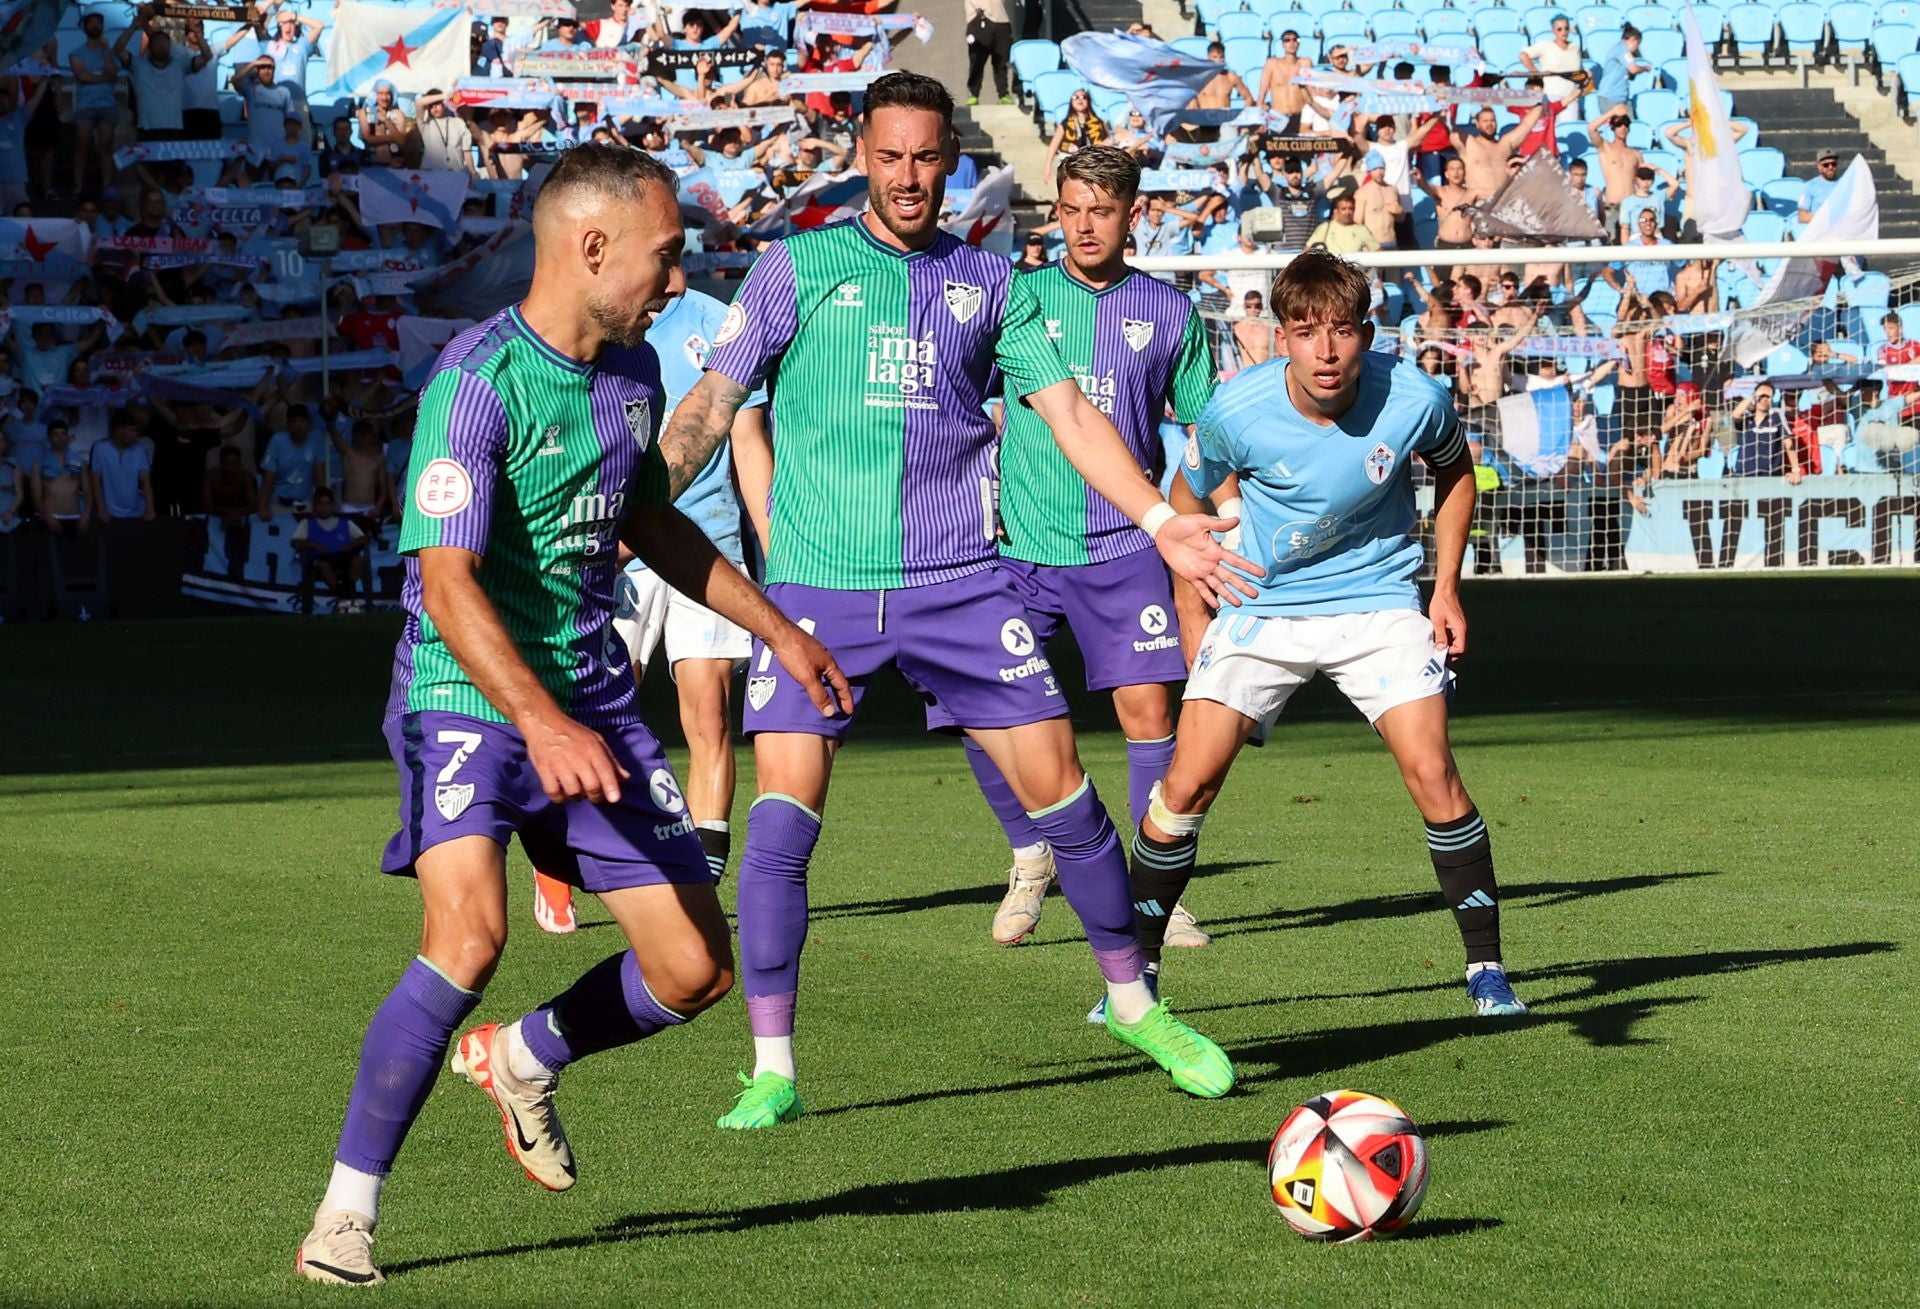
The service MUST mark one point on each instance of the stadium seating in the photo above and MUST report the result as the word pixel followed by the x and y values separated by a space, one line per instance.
pixel 1750 27
pixel 1803 30
pixel 1051 92
pixel 1032 58
pixel 1659 47
pixel 1496 18
pixel 1906 89
pixel 1502 50
pixel 1440 24
pixel 1652 18
pixel 1596 23
pixel 1850 25
pixel 1246 55
pixel 1782 195
pixel 1343 27
pixel 1240 25
pixel 1394 25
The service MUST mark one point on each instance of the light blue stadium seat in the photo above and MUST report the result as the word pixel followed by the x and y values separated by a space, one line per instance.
pixel 1496 18
pixel 1674 74
pixel 1599 28
pixel 1851 22
pixel 1765 228
pixel 1032 58
pixel 1342 27
pixel 1761 165
pixel 1667 159
pixel 1751 141
pixel 1900 11
pixel 1658 47
pixel 1910 320
pixel 1291 18
pixel 1889 41
pixel 1712 20
pixel 1656 106
pixel 1640 135
pixel 1247 55
pixel 1240 25
pixel 1194 47
pixel 1651 80
pixel 1395 25
pixel 1803 29
pixel 1320 8
pixel 1207 12
pixel 1651 18
pixel 1570 139
pixel 1782 196
pixel 1052 91
pixel 1421 8
pixel 1440 24
pixel 1502 50
pixel 1869 290
pixel 1268 8
pixel 1112 106
pixel 1751 26
pixel 1856 458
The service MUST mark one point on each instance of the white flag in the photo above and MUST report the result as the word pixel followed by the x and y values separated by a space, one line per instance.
pixel 987 221
pixel 1851 212
pixel 1721 201
pixel 402 195
pixel 415 49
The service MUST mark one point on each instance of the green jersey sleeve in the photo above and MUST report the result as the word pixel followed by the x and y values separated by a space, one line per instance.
pixel 1193 373
pixel 1028 362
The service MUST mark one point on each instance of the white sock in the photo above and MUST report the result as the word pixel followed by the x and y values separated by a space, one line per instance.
pixel 714 825
pixel 1128 1002
pixel 1494 964
pixel 521 1061
pixel 1038 850
pixel 351 1189
pixel 773 1054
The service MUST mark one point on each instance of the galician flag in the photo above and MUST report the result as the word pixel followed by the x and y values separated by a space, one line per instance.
pixel 415 49
pixel 413 195
pixel 1851 212
pixel 1721 201
pixel 1158 79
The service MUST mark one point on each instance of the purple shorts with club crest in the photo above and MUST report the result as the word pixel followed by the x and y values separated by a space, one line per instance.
pixel 967 646
pixel 462 776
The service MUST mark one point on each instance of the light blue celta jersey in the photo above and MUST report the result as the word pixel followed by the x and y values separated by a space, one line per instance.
pixel 1327 511
pixel 681 336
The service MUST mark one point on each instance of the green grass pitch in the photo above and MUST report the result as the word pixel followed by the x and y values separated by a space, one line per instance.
pixel 1705 820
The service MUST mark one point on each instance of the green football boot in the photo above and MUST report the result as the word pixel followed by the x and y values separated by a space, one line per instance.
pixel 1196 1064
pixel 767 1101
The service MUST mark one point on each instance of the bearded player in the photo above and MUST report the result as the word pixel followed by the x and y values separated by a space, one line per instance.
pixel 878 338
pixel 1135 346
pixel 512 708
pixel 1323 440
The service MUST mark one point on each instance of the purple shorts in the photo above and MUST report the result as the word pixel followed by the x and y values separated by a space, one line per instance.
pixel 462 776
pixel 967 646
pixel 1120 613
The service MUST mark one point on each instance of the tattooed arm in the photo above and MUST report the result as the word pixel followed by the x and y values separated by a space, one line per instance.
pixel 700 423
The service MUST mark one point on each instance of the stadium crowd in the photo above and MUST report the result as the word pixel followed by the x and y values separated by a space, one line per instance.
pixel 1371 147
pixel 172 348
pixel 178 345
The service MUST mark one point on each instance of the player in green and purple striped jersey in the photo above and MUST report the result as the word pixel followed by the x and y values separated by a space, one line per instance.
pixel 513 705
pixel 1136 347
pixel 878 338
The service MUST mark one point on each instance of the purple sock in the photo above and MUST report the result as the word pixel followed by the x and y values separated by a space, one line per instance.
pixel 610 1006
pixel 1147 763
pixel 773 908
pixel 1020 829
pixel 399 1061
pixel 1093 877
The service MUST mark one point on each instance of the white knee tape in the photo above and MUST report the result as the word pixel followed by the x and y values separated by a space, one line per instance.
pixel 1169 822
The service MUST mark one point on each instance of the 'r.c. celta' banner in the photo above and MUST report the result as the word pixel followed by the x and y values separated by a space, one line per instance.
pixel 1749 523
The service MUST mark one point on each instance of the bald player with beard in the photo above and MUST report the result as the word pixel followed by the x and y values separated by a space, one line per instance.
pixel 513 704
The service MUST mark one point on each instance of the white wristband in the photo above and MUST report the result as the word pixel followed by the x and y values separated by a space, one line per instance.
pixel 1158 517
pixel 1227 508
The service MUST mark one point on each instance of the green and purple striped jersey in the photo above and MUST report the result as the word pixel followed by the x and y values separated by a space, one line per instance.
pixel 879 361
pixel 1134 347
pixel 530 460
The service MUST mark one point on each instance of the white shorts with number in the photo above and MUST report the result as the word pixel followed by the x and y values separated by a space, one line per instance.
pixel 1379 660
pixel 648 610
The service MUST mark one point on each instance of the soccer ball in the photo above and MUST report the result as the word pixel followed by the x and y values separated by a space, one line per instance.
pixel 1347 1166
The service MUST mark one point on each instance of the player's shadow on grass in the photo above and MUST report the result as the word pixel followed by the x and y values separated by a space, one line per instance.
pixel 1019 1190
pixel 988 893
pixel 1318 1053
pixel 1409 904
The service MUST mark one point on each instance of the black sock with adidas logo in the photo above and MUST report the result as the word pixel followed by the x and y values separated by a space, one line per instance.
pixel 1463 861
pixel 1159 872
pixel 716 842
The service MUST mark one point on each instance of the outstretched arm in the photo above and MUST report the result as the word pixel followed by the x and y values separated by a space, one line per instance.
pixel 1096 452
pixel 700 423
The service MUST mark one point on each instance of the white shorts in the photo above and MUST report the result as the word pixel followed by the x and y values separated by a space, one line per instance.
pixel 1379 660
pixel 647 609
